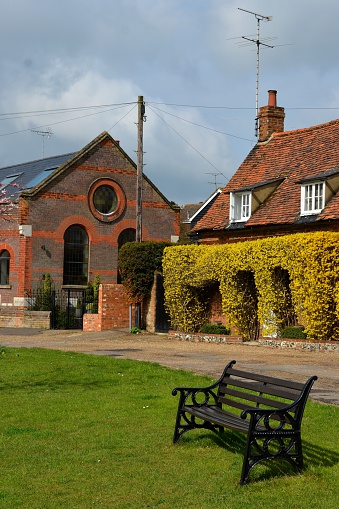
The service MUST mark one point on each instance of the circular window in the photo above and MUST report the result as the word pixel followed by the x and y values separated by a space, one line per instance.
pixel 106 200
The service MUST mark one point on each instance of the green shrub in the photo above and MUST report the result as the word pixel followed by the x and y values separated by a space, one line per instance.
pixel 64 321
pixel 211 328
pixel 135 330
pixel 137 263
pixel 96 285
pixel 291 332
pixel 89 293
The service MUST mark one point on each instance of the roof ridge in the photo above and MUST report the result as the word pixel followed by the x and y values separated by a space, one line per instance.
pixel 305 129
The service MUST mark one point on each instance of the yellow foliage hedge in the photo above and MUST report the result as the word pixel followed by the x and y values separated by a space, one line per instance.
pixel 270 281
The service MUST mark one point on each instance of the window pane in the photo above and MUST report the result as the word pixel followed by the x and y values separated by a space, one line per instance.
pixel 245 205
pixel 308 198
pixel 4 267
pixel 237 207
pixel 318 196
pixel 105 200
pixel 75 256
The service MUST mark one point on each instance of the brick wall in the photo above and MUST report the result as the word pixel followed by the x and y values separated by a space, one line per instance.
pixel 113 310
pixel 18 317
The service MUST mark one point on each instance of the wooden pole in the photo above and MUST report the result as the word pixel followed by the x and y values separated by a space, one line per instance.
pixel 141 113
pixel 138 229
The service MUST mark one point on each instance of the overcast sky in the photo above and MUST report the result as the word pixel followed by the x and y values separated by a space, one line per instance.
pixel 59 59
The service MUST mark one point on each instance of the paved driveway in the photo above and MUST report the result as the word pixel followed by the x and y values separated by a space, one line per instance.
pixel 199 357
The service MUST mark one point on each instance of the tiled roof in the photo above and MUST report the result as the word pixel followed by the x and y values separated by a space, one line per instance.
pixel 25 173
pixel 294 157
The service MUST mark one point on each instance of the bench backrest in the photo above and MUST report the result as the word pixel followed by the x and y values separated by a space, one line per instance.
pixel 242 390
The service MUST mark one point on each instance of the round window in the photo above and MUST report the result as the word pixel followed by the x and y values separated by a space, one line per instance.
pixel 105 200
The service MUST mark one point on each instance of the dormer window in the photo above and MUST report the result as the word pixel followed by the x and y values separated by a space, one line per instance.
pixel 240 208
pixel 312 198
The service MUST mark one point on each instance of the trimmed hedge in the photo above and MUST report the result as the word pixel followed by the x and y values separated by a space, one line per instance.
pixel 271 281
pixel 211 328
pixel 294 333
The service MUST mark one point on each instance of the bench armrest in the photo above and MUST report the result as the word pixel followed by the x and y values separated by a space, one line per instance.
pixel 196 396
pixel 193 392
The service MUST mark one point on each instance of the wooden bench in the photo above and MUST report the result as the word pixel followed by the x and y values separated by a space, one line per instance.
pixel 269 410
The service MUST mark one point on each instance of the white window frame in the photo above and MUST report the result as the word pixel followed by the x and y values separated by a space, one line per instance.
pixel 312 198
pixel 240 206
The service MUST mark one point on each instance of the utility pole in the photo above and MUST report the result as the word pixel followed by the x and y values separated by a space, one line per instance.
pixel 140 163
pixel 141 120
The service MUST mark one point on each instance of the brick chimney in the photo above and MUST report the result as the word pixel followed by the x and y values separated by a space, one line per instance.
pixel 271 117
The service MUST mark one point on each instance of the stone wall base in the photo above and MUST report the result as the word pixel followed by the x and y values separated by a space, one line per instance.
pixel 199 336
pixel 300 344
pixel 292 344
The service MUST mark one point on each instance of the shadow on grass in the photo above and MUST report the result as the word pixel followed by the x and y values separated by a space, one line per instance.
pixel 314 455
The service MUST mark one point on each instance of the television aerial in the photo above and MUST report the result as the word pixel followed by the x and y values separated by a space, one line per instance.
pixel 45 134
pixel 258 42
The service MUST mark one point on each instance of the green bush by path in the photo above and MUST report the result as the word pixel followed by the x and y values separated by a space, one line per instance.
pixel 81 431
pixel 294 333
pixel 211 328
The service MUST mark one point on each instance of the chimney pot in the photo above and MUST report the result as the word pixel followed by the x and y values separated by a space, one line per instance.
pixel 272 98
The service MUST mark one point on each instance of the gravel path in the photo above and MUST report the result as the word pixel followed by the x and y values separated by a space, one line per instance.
pixel 198 357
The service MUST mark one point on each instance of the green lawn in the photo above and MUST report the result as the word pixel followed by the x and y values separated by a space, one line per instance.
pixel 83 431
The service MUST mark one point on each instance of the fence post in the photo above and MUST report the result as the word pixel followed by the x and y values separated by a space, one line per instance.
pixel 53 311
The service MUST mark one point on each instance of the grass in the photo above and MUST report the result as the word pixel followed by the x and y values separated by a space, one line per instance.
pixel 83 431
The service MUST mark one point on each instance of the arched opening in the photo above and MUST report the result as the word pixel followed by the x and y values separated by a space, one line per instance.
pixel 284 310
pixel 246 310
pixel 76 248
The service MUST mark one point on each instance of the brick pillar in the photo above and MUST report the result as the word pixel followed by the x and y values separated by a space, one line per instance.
pixel 113 310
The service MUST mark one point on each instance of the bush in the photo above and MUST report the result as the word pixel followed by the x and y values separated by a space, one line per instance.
pixel 135 330
pixel 294 333
pixel 137 263
pixel 211 328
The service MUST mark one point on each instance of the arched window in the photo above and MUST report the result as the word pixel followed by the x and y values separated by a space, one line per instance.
pixel 4 267
pixel 125 236
pixel 75 256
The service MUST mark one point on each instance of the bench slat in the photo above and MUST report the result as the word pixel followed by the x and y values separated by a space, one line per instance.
pixel 255 398
pixel 219 417
pixel 298 386
pixel 258 387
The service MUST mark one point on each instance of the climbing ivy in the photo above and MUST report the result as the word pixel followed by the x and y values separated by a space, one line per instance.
pixel 276 282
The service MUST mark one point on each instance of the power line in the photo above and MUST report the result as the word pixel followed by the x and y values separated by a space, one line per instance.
pixel 202 126
pixel 65 110
pixel 188 143
pixel 59 122
pixel 16 115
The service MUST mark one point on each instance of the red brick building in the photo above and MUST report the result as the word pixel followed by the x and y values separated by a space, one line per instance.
pixel 74 212
pixel 288 183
